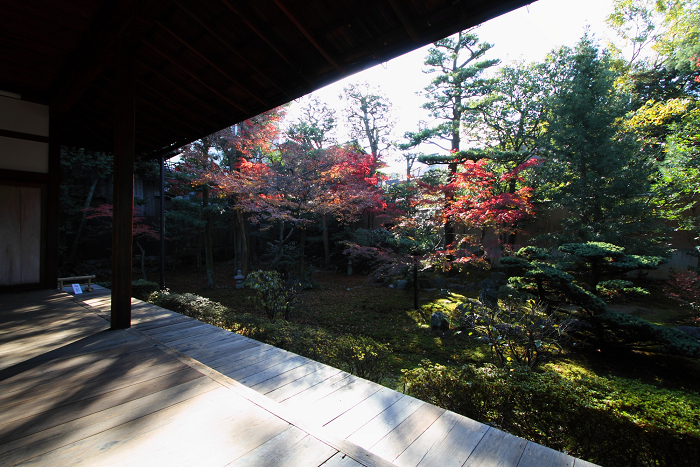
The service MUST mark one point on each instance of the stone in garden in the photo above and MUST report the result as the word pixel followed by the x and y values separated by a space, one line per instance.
pixel 439 321
pixel 498 277
pixel 489 293
pixel 402 284
pixel 439 283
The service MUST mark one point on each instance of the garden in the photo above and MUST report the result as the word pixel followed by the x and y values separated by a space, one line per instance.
pixel 539 273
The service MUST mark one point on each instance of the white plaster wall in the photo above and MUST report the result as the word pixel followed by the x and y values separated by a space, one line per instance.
pixel 19 154
pixel 24 117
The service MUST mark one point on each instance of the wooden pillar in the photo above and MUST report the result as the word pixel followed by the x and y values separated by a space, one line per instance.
pixel 123 195
pixel 53 199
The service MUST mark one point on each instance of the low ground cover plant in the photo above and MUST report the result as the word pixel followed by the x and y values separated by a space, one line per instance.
pixel 607 420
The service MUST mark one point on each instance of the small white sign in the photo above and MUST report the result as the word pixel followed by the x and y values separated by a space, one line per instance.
pixel 77 289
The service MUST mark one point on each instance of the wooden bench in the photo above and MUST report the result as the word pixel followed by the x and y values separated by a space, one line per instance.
pixel 78 279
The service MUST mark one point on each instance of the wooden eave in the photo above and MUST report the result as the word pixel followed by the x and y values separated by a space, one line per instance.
pixel 205 66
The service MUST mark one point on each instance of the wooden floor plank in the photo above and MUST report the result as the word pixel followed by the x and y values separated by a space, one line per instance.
pixel 341 401
pixel 307 383
pixel 400 438
pixel 96 372
pixel 75 430
pixel 536 455
pixel 161 393
pixel 496 448
pixel 382 424
pixel 273 451
pixel 269 385
pixel 165 329
pixel 309 452
pixel 457 445
pixel 341 460
pixel 273 371
pixel 351 421
pixel 124 443
pixel 18 424
pixel 310 394
pixel 437 432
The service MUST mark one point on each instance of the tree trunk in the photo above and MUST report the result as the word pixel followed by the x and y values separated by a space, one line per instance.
pixel 244 243
pixel 283 241
pixel 326 242
pixel 208 254
pixel 302 247
pixel 74 247
pixel 143 259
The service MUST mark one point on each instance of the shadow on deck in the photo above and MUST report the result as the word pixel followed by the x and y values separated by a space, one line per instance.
pixel 174 391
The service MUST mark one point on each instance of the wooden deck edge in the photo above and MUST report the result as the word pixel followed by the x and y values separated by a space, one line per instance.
pixel 357 453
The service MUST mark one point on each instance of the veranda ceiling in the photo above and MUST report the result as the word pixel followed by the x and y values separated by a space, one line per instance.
pixel 202 66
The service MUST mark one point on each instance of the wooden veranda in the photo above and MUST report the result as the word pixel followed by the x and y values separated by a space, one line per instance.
pixel 175 391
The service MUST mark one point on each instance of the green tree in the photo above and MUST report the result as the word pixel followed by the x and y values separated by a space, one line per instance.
pixel 459 64
pixel 593 169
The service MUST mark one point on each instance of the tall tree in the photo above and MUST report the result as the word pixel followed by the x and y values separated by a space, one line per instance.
pixel 459 64
pixel 315 127
pixel 253 140
pixel 368 113
pixel 598 173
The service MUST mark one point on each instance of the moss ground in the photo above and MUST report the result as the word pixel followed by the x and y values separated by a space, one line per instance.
pixel 348 304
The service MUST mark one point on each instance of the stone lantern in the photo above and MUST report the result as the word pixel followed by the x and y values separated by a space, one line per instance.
pixel 239 278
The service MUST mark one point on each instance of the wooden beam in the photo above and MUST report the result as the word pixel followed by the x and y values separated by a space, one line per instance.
pixel 405 21
pixel 90 56
pixel 170 101
pixel 231 49
pixel 124 148
pixel 212 64
pixel 180 88
pixel 192 75
pixel 308 36
pixel 257 29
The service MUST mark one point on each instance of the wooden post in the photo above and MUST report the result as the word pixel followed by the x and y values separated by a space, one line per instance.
pixel 162 222
pixel 53 199
pixel 124 147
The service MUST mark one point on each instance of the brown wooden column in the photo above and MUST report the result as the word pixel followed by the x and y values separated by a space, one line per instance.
pixel 122 223
pixel 52 200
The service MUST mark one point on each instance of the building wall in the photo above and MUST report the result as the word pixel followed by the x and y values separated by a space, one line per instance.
pixel 24 166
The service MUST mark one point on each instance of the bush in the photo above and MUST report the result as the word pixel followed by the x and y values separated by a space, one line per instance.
pixel 684 286
pixel 610 421
pixel 632 329
pixel 191 305
pixel 141 289
pixel 273 293
pixel 360 356
pixel 520 333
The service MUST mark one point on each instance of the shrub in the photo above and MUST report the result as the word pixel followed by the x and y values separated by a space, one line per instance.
pixel 191 305
pixel 684 286
pixel 521 333
pixel 141 289
pixel 360 356
pixel 611 421
pixel 632 329
pixel 273 293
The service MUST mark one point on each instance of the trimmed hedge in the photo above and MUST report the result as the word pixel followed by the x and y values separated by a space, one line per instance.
pixel 609 421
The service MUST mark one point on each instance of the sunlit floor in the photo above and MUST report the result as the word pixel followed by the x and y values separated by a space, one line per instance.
pixel 174 391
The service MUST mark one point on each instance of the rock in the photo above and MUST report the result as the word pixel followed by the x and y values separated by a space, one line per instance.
pixel 438 321
pixel 489 293
pixel 439 283
pixel 498 277
pixel 402 284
